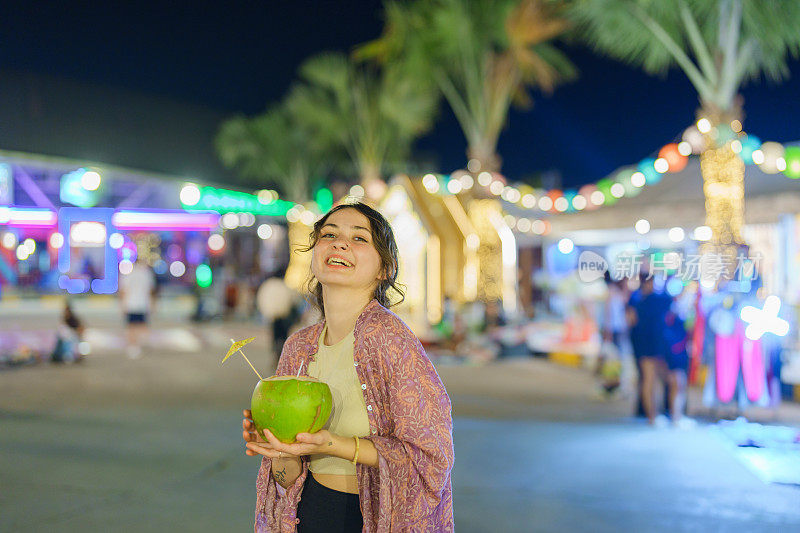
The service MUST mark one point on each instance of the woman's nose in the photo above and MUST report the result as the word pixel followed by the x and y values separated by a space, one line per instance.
pixel 340 243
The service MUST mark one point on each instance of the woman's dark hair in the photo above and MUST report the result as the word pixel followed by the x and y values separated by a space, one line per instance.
pixel 385 245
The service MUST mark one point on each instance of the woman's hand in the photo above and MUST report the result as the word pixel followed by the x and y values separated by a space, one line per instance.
pixel 306 444
pixel 260 446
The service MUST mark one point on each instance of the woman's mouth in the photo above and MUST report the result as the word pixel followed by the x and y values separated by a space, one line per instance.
pixel 338 261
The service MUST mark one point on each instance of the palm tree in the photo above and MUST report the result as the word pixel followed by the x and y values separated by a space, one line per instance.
pixel 369 114
pixel 719 45
pixel 480 54
pixel 272 148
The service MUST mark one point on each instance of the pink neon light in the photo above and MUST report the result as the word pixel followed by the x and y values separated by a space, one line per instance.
pixel 27 217
pixel 176 220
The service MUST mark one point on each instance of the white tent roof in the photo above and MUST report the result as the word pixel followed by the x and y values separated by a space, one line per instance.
pixel 678 201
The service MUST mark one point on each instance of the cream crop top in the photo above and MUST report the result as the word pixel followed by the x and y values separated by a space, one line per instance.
pixel 334 365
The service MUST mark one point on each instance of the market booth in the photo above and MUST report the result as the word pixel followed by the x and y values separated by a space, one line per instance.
pixel 664 224
pixel 453 247
pixel 73 226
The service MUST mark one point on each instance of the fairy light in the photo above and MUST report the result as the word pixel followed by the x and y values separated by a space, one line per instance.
pixel 524 225
pixel 430 183
pixel 529 201
pixel 685 148
pixel 484 179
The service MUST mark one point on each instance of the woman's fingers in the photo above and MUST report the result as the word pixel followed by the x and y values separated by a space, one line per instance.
pixel 271 439
pixel 247 413
pixel 262 450
pixel 253 436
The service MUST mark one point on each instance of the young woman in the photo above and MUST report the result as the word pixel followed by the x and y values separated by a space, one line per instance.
pixel 383 462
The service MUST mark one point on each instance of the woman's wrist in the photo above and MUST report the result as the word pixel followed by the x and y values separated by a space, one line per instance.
pixel 339 446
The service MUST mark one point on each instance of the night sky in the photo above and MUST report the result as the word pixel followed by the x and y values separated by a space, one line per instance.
pixel 238 57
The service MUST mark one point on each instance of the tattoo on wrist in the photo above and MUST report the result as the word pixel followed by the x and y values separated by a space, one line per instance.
pixel 280 475
pixel 330 443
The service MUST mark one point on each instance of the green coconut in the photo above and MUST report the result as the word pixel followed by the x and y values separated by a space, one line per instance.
pixel 288 405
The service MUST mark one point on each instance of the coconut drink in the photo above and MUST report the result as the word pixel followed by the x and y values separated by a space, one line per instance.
pixel 288 405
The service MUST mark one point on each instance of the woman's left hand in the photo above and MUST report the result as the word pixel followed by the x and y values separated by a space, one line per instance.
pixel 306 444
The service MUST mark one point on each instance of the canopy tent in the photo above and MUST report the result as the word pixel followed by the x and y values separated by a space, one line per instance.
pixel 677 200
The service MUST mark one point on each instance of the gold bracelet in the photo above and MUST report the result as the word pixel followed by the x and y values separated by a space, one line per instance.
pixel 355 457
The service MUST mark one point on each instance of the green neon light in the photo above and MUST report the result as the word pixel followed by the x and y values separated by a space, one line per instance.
pixel 324 199
pixel 226 201
pixel 203 275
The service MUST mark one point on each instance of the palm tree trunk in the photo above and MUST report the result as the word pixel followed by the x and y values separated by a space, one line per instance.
pixel 484 152
pixel 723 186
pixel 369 173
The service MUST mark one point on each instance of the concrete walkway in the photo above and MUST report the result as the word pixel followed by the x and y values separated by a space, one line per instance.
pixel 154 444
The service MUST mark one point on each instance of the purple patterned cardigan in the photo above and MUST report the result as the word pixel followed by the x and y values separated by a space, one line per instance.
pixel 410 423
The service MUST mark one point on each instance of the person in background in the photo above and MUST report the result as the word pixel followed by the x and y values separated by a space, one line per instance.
pixel 646 313
pixel 677 357
pixel 614 331
pixel 68 337
pixel 280 307
pixel 137 291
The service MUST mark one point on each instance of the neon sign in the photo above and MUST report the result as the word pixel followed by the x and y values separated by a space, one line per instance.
pixel 27 217
pixel 227 201
pixel 109 283
pixel 165 220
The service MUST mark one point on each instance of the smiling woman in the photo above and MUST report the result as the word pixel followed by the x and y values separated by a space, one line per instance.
pixel 383 460
pixel 372 256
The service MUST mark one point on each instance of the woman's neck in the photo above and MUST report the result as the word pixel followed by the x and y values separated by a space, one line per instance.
pixel 342 309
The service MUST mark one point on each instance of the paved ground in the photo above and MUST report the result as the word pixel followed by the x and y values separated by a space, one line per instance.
pixel 154 444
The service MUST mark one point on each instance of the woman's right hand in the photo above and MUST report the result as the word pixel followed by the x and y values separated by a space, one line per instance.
pixel 249 431
pixel 250 434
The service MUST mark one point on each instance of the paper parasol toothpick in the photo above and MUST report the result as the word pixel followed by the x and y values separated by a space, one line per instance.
pixel 236 346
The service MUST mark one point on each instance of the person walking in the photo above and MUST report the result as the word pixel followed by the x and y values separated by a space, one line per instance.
pixel 137 291
pixel 647 312
pixel 384 459
pixel 279 306
pixel 614 335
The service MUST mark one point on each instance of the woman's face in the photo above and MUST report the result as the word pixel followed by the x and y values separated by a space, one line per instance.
pixel 345 255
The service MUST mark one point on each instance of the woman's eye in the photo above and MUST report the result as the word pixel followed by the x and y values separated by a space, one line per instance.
pixel 326 235
pixel 360 239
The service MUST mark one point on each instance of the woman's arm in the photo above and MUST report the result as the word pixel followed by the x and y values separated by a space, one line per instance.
pixel 285 471
pixel 321 442
pixel 345 448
